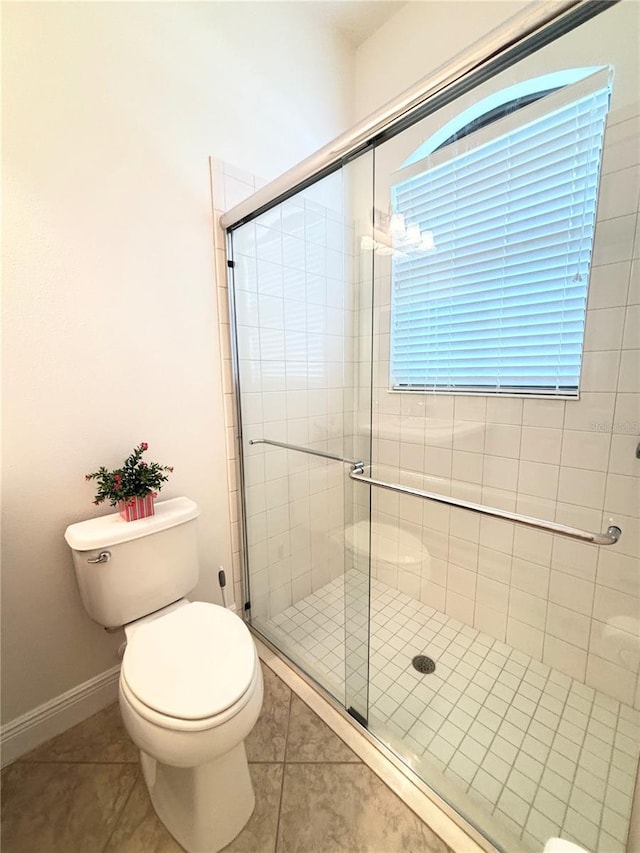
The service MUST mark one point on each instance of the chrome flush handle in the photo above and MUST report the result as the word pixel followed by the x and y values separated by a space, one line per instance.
pixel 103 557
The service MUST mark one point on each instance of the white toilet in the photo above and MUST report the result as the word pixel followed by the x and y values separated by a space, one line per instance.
pixel 190 683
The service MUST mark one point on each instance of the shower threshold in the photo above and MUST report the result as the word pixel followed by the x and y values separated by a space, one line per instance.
pixel 520 749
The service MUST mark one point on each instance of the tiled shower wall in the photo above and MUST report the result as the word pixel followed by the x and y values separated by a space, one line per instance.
pixel 574 606
pixel 293 313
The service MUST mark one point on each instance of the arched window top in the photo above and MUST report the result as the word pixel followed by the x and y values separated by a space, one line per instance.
pixel 497 105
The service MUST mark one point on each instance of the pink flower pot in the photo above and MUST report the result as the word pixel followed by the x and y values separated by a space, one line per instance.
pixel 136 508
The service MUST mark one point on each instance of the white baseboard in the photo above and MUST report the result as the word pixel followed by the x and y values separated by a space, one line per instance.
pixel 59 714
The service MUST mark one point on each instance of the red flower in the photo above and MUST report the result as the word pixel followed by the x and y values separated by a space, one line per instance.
pixel 144 445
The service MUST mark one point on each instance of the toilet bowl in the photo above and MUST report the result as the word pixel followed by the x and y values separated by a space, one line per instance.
pixel 190 692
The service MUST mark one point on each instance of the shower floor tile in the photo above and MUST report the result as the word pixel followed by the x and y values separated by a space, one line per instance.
pixel 535 752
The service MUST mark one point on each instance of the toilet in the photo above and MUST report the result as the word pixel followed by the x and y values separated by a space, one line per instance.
pixel 190 684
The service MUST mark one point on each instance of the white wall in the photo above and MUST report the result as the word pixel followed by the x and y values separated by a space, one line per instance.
pixel 419 38
pixel 110 112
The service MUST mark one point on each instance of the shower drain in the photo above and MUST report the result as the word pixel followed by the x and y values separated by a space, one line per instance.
pixel 423 664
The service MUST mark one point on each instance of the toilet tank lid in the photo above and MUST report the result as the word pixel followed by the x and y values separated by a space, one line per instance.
pixel 113 530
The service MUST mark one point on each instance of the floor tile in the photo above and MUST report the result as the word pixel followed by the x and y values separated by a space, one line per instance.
pixel 345 808
pixel 259 835
pixel 101 738
pixel 268 739
pixel 139 828
pixel 62 808
pixel 310 739
pixel 141 831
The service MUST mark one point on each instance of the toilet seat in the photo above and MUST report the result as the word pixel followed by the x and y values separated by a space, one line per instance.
pixel 191 668
pixel 186 726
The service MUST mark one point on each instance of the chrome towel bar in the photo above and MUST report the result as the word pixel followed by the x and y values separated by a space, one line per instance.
pixel 321 453
pixel 610 537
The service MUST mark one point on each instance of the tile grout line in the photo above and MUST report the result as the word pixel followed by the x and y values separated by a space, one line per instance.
pixel 496 734
pixel 581 746
pixel 545 763
pixel 310 763
pixel 284 764
pixel 124 806
pixel 601 828
pixel 74 761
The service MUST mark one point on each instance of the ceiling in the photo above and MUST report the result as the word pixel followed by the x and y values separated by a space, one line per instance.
pixel 358 19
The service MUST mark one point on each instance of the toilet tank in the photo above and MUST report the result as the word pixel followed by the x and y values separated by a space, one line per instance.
pixel 152 562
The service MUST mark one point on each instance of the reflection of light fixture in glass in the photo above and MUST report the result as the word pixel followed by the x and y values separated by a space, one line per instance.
pixel 368 244
pixel 413 236
pixel 396 225
pixel 393 236
pixel 427 243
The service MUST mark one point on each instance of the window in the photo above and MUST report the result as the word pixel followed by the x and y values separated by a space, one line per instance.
pixel 492 239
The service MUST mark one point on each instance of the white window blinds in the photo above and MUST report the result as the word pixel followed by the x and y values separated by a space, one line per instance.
pixel 494 299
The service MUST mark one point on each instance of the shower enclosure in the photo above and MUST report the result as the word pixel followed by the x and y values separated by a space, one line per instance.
pixel 436 349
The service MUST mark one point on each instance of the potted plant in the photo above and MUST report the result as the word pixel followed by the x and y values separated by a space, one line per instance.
pixel 132 487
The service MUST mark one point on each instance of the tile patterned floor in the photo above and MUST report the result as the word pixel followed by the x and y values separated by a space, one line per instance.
pixel 522 749
pixel 82 792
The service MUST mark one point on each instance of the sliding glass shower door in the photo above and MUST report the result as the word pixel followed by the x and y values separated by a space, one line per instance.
pixel 300 273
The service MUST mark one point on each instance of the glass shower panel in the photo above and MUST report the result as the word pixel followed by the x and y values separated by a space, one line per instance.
pixel 294 293
pixel 505 374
